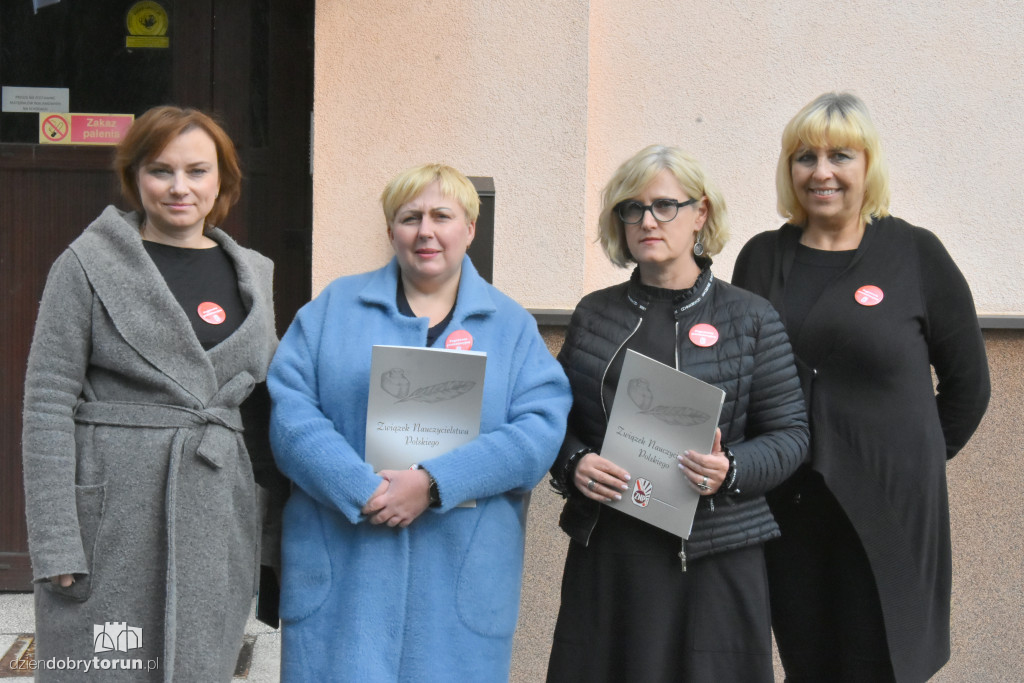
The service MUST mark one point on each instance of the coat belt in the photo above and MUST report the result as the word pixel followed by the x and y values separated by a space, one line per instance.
pixel 220 423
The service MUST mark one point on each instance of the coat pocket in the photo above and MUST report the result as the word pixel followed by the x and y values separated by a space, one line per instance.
pixel 89 500
pixel 305 565
pixel 487 597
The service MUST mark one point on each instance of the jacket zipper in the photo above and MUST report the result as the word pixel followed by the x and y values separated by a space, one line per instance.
pixel 677 345
pixel 711 502
pixel 604 408
pixel 604 374
pixel 682 542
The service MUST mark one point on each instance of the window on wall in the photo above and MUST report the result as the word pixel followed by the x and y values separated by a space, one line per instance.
pixel 103 56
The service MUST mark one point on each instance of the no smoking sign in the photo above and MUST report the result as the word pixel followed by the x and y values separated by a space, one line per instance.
pixel 54 128
pixel 62 128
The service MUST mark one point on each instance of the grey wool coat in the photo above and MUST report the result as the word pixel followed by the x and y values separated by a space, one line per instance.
pixel 137 477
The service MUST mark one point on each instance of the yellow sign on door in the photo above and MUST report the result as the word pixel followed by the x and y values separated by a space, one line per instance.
pixel 147 25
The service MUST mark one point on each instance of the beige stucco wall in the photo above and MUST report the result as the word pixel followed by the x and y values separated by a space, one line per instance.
pixel 548 98
pixel 493 88
pixel 943 81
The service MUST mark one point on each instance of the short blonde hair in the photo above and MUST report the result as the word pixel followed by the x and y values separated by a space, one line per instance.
pixel 635 174
pixel 833 120
pixel 411 182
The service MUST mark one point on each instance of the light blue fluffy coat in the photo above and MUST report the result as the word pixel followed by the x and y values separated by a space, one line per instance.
pixel 437 601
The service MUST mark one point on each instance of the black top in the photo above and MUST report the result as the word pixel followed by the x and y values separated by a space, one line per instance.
pixel 199 278
pixel 655 338
pixel 405 309
pixel 812 270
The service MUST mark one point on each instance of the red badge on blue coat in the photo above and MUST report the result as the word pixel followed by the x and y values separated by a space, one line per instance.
pixel 459 340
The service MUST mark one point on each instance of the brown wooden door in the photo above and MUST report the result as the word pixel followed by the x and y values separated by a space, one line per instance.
pixel 249 62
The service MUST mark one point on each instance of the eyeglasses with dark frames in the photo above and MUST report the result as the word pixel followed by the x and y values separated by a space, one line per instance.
pixel 632 212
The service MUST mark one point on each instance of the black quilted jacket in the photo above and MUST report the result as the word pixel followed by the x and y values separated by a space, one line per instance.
pixel 763 419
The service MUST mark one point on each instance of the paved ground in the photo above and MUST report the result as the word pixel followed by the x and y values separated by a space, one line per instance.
pixel 16 618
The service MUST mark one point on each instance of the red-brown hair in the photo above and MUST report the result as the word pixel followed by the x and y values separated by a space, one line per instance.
pixel 153 131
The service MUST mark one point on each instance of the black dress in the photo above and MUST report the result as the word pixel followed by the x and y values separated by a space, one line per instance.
pixel 881 434
pixel 628 611
pixel 845 642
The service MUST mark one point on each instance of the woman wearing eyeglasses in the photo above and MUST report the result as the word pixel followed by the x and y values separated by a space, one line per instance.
pixel 637 601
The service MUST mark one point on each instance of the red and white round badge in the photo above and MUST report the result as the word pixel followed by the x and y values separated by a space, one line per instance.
pixel 459 340
pixel 212 313
pixel 703 335
pixel 869 295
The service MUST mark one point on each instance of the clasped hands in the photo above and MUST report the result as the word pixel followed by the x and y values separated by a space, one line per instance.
pixel 610 480
pixel 402 496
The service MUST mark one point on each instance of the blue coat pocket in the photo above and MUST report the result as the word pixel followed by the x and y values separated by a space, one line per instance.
pixel 490 578
pixel 305 565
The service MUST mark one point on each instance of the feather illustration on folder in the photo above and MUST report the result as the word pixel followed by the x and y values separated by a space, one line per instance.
pixel 395 383
pixel 639 391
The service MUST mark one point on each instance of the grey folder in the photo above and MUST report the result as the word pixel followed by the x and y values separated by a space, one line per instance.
pixel 658 413
pixel 422 403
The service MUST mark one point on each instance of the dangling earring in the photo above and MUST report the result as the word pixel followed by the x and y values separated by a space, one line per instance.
pixel 698 248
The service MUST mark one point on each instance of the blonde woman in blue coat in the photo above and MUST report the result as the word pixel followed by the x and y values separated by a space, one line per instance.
pixel 384 577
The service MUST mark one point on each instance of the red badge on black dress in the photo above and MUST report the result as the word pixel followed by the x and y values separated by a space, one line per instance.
pixel 459 340
pixel 212 313
pixel 703 335
pixel 869 295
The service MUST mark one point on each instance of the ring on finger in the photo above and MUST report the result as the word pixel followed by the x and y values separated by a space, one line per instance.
pixel 591 484
pixel 703 486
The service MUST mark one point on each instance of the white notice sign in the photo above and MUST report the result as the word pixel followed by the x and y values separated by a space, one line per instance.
pixel 18 100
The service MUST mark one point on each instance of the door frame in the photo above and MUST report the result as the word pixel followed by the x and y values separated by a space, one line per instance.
pixel 38 221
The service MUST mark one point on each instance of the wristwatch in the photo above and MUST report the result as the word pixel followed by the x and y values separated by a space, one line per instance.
pixel 433 494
